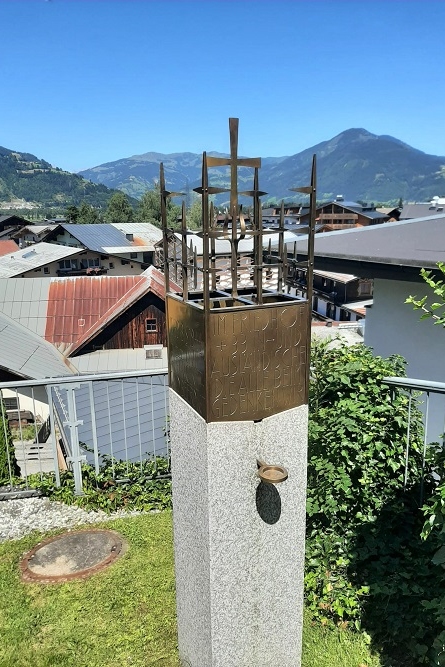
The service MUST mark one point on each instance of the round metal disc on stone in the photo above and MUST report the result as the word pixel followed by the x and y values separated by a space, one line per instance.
pixel 272 474
pixel 73 555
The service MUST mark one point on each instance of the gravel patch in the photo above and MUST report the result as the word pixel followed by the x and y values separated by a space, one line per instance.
pixel 26 515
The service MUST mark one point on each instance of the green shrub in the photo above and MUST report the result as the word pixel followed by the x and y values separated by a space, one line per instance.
pixel 118 485
pixel 366 566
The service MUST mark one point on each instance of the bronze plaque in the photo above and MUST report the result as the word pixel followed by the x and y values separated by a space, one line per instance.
pixel 256 366
pixel 252 365
pixel 186 360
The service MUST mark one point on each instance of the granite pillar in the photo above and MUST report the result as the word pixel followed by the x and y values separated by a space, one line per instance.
pixel 239 542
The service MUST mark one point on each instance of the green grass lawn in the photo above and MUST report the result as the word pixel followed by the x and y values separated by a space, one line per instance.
pixel 125 615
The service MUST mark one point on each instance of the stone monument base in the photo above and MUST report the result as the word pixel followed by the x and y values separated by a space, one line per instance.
pixel 239 542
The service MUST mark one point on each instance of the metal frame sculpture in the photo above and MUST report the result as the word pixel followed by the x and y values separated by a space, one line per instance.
pixel 239 353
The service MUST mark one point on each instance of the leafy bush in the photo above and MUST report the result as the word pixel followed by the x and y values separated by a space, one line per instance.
pixel 118 485
pixel 366 566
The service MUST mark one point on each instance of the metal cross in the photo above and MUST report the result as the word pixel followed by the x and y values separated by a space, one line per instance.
pixel 234 162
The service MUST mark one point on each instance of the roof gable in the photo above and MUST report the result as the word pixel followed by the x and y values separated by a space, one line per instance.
pixel 152 280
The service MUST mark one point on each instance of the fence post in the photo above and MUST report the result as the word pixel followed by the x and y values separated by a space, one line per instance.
pixel 76 458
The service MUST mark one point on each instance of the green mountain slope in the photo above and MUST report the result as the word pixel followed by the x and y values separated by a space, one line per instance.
pixel 361 165
pixel 355 163
pixel 25 177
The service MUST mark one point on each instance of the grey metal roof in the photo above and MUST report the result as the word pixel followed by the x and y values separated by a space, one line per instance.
pixel 24 353
pixel 410 211
pixel 26 301
pixel 374 214
pixel 95 237
pixel 32 257
pixel 144 230
pixel 409 243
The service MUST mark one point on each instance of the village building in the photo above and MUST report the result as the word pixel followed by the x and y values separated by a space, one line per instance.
pixel 341 214
pixel 131 242
pixel 392 256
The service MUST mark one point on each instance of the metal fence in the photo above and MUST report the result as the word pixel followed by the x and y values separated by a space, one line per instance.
pixel 429 398
pixel 65 422
pixel 124 416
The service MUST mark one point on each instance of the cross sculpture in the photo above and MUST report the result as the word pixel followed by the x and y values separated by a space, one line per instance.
pixel 187 258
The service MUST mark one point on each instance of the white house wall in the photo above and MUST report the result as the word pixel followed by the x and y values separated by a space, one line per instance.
pixel 393 327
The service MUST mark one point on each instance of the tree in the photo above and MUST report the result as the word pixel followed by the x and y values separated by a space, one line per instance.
pixel 6 450
pixel 149 209
pixel 72 213
pixel 435 310
pixel 194 215
pixel 87 215
pixel 119 209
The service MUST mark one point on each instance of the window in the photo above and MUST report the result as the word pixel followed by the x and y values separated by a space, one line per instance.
pixel 45 269
pixel 111 265
pixel 68 264
pixel 151 325
pixel 11 403
pixel 133 255
pixel 365 288
pixel 124 261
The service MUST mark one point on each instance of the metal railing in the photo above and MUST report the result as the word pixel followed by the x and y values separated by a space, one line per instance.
pixel 89 419
pixel 429 397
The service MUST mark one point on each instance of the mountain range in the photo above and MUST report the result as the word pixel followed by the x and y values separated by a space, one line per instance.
pixel 356 163
pixel 27 183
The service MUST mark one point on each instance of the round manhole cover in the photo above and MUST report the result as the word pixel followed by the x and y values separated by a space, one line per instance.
pixel 74 555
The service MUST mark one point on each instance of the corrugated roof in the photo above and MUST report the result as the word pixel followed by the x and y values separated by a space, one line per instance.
pixel 152 280
pixel 7 247
pixel 62 309
pixel 33 257
pixel 24 353
pixel 75 304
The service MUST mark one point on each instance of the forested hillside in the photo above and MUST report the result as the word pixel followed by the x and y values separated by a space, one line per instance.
pixel 34 181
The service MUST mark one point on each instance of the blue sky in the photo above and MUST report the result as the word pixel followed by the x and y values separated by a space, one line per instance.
pixel 87 82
